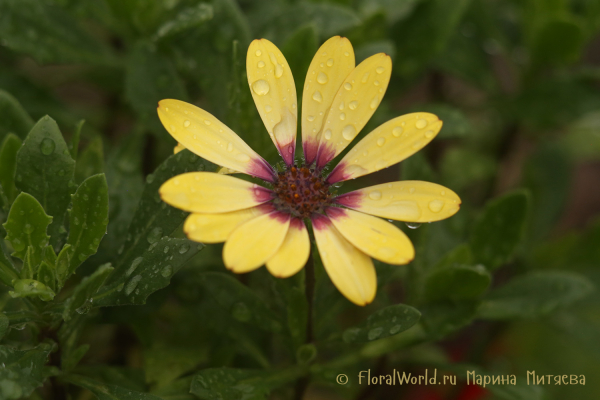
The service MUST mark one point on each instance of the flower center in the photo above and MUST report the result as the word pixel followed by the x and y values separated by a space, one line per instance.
pixel 300 192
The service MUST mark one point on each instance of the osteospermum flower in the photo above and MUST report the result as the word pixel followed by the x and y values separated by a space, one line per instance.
pixel 267 224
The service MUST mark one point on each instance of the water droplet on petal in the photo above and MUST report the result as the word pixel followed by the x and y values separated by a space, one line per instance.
pixel 341 106
pixel 365 77
pixel 397 131
pixel 349 132
pixel 230 147
pixel 268 108
pixel 330 62
pixel 342 116
pixel 380 70
pixel 429 134
pixel 317 97
pixel 327 134
pixel 186 123
pixel 374 103
pixel 421 124
pixel 261 87
pixel 375 195
pixel 261 64
pixel 207 122
pixel 380 141
pixel 47 146
pixel 376 83
pixel 436 205
pixel 353 105
pixel 258 53
pixel 413 225
pixel 310 118
pixel 322 78
pixel 348 86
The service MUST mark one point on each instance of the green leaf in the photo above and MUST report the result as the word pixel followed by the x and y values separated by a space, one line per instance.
pixel 107 392
pixel 500 229
pixel 68 336
pixel 47 276
pixel 151 77
pixel 457 282
pixel 240 301
pixel 296 304
pixel 14 118
pixel 26 226
pixel 547 175
pixel 188 18
pixel 52 35
pixel 393 10
pixel 147 273
pixel 63 261
pixel 154 218
pixel 8 165
pixel 87 221
pixel 22 370
pixel 444 318
pixel 535 294
pixel 386 322
pixel 90 161
pixel 430 26
pixel 235 384
pixel 8 272
pixel 4 323
pixel 31 288
pixel 74 145
pixel 29 265
pixel 81 299
pixel 45 170
pixel 164 364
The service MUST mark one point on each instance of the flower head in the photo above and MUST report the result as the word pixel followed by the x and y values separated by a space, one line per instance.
pixel 266 224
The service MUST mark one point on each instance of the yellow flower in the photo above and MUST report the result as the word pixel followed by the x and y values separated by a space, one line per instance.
pixel 266 224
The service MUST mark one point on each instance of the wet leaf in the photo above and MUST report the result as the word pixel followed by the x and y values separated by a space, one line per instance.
pixel 8 165
pixel 31 288
pixel 535 294
pixel 14 118
pixel 47 276
pixel 22 370
pixel 153 218
pixel 26 226
pixel 8 272
pixel 147 273
pixel 386 322
pixel 444 318
pixel 82 298
pixel 500 229
pixel 45 170
pixel 108 392
pixel 87 221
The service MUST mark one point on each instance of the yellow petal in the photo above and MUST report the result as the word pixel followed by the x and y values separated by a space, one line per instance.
pixel 353 105
pixel 373 236
pixel 330 66
pixel 208 192
pixel 205 135
pixel 409 201
pixel 251 244
pixel 215 228
pixel 293 253
pixel 389 144
pixel 272 86
pixel 178 148
pixel 350 270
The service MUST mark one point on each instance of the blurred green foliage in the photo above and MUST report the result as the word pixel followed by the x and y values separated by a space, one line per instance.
pixel 505 286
